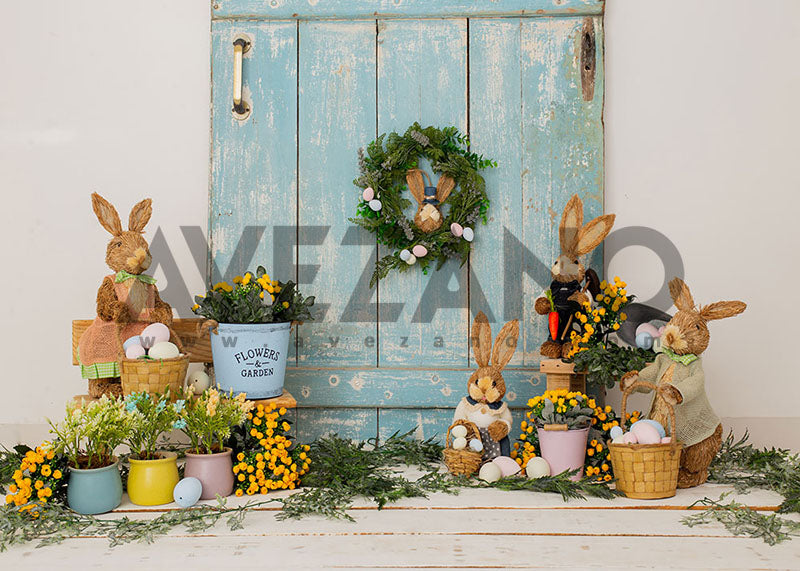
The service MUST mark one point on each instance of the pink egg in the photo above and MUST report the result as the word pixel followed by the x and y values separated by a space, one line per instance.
pixel 154 333
pixel 629 438
pixel 508 467
pixel 666 440
pixel 646 433
pixel 368 194
pixel 456 229
pixel 134 352
pixel 419 250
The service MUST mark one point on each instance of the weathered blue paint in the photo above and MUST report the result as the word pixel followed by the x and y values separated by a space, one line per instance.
pixel 428 422
pixel 518 93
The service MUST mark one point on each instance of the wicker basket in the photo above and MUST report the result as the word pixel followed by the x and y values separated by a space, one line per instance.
pixel 646 471
pixel 464 462
pixel 154 375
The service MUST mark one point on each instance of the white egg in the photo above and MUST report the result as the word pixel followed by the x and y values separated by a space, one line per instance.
pixel 468 234
pixel 153 334
pixel 476 445
pixel 412 259
pixel 405 255
pixel 618 440
pixel 490 472
pixel 616 431
pixel 135 351
pixel 375 204
pixel 198 381
pixel 537 467
pixel 164 350
pixel 459 431
pixel 459 443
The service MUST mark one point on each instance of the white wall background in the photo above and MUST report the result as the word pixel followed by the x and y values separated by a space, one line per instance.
pixel 701 144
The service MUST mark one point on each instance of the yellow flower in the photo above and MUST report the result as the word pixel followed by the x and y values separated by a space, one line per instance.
pixel 246 279
pixel 277 289
pixel 615 326
pixel 261 295
pixel 57 474
pixel 623 317
pixel 195 307
pixel 239 493
pixel 285 304
pixel 46 470
pixel 237 280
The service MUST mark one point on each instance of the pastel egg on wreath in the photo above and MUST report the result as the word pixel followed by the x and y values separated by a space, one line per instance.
pixel 368 194
pixel 164 350
pixel 135 340
pixel 375 205
pixel 654 423
pixel 476 445
pixel 537 467
pixel 508 466
pixel 154 333
pixel 490 472
pixel 616 431
pixel 459 431
pixel 187 492
pixel 419 250
pixel 459 443
pixel 412 259
pixel 405 255
pixel 456 229
pixel 198 381
pixel 468 234
pixel 135 351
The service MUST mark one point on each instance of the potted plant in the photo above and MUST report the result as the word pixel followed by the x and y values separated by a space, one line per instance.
pixel 87 437
pixel 208 421
pixel 251 323
pixel 153 473
pixel 562 419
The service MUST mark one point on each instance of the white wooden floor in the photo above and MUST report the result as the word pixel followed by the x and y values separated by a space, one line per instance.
pixel 481 529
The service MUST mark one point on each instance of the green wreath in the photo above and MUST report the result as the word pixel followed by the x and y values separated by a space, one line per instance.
pixel 446 214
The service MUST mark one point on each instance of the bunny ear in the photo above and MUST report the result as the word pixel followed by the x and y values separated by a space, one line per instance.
pixel 593 233
pixel 505 344
pixel 722 309
pixel 444 187
pixel 681 295
pixel 106 214
pixel 482 339
pixel 140 215
pixel 415 184
pixel 571 222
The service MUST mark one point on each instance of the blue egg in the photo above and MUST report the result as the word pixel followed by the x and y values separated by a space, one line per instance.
pixel 187 492
pixel 644 340
pixel 616 431
pixel 135 340
pixel 654 423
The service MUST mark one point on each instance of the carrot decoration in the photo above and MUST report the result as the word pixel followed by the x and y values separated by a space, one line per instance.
pixel 552 317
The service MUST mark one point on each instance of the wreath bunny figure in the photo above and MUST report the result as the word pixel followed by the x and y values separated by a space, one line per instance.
pixel 681 381
pixel 428 217
pixel 127 300
pixel 483 405
pixel 577 239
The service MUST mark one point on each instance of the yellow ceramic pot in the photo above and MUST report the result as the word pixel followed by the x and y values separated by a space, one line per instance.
pixel 151 482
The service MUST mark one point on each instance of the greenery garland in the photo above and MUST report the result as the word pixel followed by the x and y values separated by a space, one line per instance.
pixel 383 170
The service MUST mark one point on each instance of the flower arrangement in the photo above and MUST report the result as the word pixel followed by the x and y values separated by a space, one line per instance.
pixel 39 478
pixel 254 298
pixel 265 458
pixel 150 417
pixel 89 433
pixel 561 407
pixel 209 418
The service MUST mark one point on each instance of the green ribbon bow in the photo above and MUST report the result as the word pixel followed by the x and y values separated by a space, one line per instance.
pixel 682 359
pixel 122 276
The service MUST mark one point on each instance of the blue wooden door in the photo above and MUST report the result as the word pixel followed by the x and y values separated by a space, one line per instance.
pixel 524 78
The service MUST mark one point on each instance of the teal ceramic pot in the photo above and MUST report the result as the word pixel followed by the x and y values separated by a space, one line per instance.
pixel 94 491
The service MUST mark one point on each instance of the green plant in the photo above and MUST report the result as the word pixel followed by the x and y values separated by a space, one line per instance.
pixel 209 419
pixel 150 417
pixel 561 407
pixel 605 363
pixel 254 298
pixel 89 433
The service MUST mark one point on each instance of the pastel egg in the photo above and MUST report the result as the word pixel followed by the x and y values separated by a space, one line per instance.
pixel 154 333
pixel 375 204
pixel 368 194
pixel 405 255
pixel 164 350
pixel 644 340
pixel 459 431
pixel 648 328
pixel 187 492
pixel 198 381
pixel 412 259
pixel 468 234
pixel 456 229
pixel 654 423
pixel 490 472
pixel 666 440
pixel 615 431
pixel 646 433
pixel 135 351
pixel 630 438
pixel 476 445
pixel 618 440
pixel 135 340
pixel 419 250
pixel 459 443
pixel 537 467
pixel 508 466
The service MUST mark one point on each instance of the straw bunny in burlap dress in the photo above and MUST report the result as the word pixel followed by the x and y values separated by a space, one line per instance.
pixel 486 388
pixel 127 300
pixel 681 382
pixel 577 239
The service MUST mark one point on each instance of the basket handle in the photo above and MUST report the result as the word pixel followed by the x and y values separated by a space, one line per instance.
pixel 207 325
pixel 652 387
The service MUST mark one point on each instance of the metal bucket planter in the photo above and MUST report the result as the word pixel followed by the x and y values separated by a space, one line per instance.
pixel 564 449
pixel 250 358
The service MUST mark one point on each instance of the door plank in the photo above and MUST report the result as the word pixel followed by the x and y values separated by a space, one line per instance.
pixel 337 114
pixel 429 422
pixel 422 77
pixel 355 424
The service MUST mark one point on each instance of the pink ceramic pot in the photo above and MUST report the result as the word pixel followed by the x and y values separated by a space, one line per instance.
pixel 215 472
pixel 564 449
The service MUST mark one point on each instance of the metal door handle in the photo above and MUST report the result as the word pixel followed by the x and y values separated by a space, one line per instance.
pixel 240 46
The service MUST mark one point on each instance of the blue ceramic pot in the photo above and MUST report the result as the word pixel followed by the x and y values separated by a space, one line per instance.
pixel 94 491
pixel 250 358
